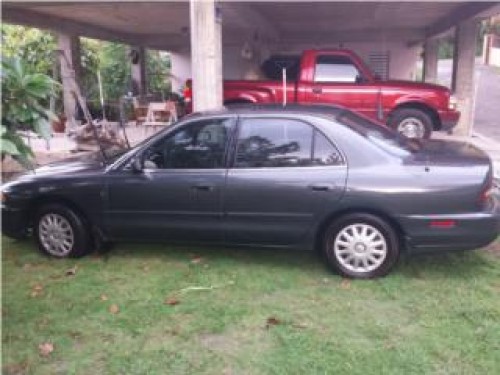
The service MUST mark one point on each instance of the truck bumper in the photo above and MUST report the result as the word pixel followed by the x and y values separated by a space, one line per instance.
pixel 449 119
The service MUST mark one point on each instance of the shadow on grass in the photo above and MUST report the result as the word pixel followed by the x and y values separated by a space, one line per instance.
pixel 464 265
pixel 272 257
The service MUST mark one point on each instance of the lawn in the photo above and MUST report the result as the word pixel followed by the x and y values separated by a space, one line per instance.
pixel 155 309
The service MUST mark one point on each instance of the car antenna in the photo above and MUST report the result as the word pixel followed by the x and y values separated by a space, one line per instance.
pixel 76 92
pixel 284 86
pixel 284 66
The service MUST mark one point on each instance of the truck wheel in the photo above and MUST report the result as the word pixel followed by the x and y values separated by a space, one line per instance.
pixel 361 246
pixel 60 232
pixel 412 123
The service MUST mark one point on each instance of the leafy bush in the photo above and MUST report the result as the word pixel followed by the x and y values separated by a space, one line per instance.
pixel 24 99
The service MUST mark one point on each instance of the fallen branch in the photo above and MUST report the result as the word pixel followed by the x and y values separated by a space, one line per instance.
pixel 211 287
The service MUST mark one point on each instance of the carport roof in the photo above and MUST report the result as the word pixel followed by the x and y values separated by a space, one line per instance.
pixel 165 25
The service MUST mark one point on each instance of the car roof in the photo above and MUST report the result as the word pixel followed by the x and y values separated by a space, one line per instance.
pixel 252 109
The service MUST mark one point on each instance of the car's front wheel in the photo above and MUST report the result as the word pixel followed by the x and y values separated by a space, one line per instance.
pixel 61 232
pixel 361 246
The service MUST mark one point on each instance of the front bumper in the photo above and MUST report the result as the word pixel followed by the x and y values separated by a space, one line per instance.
pixel 449 119
pixel 471 231
pixel 14 222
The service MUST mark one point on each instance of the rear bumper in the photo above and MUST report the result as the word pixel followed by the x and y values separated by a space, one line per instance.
pixel 14 223
pixel 471 231
pixel 449 119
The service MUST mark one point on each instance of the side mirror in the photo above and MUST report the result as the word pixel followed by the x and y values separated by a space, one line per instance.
pixel 360 79
pixel 136 164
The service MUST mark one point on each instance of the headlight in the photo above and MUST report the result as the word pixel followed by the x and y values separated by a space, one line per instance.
pixel 452 103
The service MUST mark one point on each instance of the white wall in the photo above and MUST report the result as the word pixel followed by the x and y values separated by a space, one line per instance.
pixel 180 69
pixel 403 59
pixel 495 57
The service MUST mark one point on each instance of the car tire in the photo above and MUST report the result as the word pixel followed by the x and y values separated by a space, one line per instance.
pixel 60 232
pixel 412 123
pixel 361 246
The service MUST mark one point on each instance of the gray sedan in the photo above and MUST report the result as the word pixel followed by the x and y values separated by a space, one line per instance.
pixel 308 177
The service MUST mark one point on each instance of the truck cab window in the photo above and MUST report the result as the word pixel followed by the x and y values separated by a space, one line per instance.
pixel 339 69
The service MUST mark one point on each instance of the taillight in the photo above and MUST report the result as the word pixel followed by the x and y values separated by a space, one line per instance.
pixel 486 191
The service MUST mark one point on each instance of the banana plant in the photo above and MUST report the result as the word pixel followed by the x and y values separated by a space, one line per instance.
pixel 25 98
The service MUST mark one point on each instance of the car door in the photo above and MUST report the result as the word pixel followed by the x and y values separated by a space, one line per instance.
pixel 178 194
pixel 337 80
pixel 284 175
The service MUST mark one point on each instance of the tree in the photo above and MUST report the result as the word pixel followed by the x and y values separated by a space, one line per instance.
pixel 35 48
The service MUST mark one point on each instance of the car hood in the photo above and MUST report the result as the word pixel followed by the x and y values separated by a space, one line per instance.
pixel 440 152
pixel 70 166
pixel 74 166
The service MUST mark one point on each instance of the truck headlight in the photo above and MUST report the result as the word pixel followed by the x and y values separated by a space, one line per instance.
pixel 452 103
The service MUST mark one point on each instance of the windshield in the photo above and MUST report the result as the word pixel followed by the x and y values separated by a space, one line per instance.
pixel 379 134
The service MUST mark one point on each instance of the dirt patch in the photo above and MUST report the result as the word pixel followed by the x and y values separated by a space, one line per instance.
pixel 219 342
pixel 493 248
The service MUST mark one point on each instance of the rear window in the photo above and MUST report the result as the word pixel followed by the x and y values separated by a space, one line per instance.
pixel 379 134
pixel 273 67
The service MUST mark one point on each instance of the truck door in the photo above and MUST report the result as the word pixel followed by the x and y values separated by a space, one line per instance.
pixel 336 79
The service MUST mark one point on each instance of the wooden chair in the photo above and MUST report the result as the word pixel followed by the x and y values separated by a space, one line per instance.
pixel 160 114
pixel 140 111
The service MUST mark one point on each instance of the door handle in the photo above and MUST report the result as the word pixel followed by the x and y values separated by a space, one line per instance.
pixel 321 187
pixel 317 90
pixel 203 187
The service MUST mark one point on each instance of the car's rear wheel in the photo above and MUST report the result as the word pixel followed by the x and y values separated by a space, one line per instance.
pixel 361 246
pixel 60 232
pixel 412 123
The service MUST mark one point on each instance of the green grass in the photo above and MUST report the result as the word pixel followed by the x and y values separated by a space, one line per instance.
pixel 438 315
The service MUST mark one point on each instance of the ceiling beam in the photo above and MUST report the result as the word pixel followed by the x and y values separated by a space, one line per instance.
pixel 462 13
pixel 250 18
pixel 26 17
pixel 363 35
pixel 32 18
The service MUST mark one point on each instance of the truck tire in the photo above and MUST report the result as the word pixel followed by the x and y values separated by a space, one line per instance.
pixel 412 123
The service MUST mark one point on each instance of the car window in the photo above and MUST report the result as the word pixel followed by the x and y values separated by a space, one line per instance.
pixel 199 145
pixel 379 134
pixel 335 69
pixel 324 152
pixel 267 142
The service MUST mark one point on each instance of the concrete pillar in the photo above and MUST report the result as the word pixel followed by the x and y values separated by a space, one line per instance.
pixel 138 67
pixel 487 44
pixel 463 73
pixel 71 68
pixel 206 54
pixel 431 49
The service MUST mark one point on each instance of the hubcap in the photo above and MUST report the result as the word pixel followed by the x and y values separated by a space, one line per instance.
pixel 360 248
pixel 412 127
pixel 55 234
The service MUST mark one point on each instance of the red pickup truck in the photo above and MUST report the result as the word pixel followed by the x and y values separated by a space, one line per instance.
pixel 341 77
